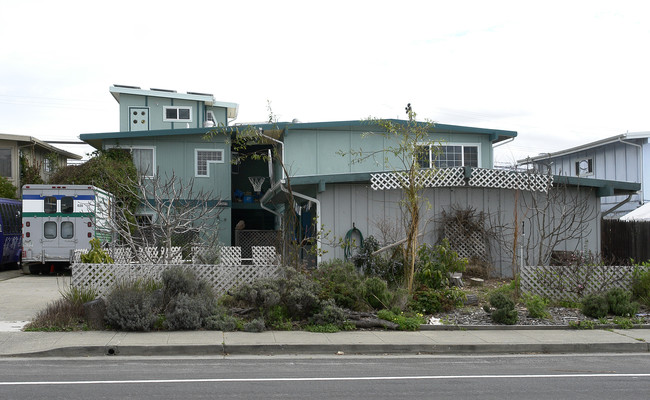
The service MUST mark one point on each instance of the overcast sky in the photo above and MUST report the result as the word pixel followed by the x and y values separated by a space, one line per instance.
pixel 559 73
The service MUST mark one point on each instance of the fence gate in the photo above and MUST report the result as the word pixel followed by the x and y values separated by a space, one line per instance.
pixel 624 240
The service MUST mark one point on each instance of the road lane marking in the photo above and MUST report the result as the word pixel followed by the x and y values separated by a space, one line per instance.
pixel 322 379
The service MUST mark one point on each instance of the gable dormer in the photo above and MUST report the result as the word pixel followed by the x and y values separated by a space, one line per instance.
pixel 162 109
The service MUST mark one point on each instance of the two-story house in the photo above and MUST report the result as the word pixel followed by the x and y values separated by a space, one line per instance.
pixel 306 172
pixel 624 158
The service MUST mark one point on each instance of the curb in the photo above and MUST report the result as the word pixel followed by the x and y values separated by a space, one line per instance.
pixel 519 327
pixel 341 349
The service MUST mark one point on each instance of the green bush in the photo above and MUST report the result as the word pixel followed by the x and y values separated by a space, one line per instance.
pixel 429 301
pixel 595 306
pixel 223 322
pixel 130 308
pixel 300 296
pixel 330 314
pixel 376 293
pixel 389 269
pixel 339 280
pixel 505 312
pixel 619 302
pixel 405 322
pixel 436 263
pixel 188 312
pixel 641 284
pixel 536 306
pixel 96 255
pixel 256 325
pixel 7 189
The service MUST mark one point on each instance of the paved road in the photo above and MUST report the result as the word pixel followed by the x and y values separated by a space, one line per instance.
pixel 495 377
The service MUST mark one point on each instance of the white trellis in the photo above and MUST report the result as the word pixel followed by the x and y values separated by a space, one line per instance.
pixel 454 177
pixel 231 272
pixel 574 282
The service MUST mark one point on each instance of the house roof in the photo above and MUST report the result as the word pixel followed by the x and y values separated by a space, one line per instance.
pixel 496 135
pixel 95 139
pixel 207 98
pixel 30 140
pixel 602 187
pixel 587 146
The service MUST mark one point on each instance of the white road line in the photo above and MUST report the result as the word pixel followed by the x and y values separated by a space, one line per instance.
pixel 321 379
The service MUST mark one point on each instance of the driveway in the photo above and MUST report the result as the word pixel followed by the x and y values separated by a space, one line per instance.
pixel 22 296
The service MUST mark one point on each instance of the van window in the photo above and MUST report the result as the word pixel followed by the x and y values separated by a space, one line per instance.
pixel 50 205
pixel 67 230
pixel 49 230
pixel 67 205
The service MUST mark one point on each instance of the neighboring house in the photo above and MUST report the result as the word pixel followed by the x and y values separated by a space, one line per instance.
pixel 332 194
pixel 624 158
pixel 35 152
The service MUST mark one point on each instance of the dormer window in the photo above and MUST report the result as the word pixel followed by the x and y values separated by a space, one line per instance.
pixel 177 114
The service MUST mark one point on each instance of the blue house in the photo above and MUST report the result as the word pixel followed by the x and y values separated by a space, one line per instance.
pixel 624 158
pixel 312 192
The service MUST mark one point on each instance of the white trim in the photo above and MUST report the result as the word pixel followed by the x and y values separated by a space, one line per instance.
pixel 130 149
pixel 177 108
pixel 207 162
pixel 446 144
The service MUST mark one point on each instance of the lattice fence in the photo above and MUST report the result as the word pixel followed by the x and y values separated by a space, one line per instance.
pixel 452 177
pixel 247 239
pixel 468 245
pixel 102 277
pixel 574 282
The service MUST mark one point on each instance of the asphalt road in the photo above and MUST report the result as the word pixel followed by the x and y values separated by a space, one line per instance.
pixel 494 377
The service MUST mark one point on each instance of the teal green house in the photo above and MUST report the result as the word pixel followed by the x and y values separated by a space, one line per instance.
pixel 192 134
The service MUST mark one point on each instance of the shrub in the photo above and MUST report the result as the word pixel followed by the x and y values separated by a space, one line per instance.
pixel 390 269
pixel 130 308
pixel 59 315
pixel 300 296
pixel 79 295
pixel 431 301
pixel 277 317
pixel 340 281
pixel 595 306
pixel 7 189
pixel 256 325
pixel 435 264
pixel 330 314
pixel 536 306
pixel 187 312
pixel 641 285
pixel 223 322
pixel 375 293
pixel 261 294
pixel 404 322
pixel 505 312
pixel 177 280
pixel 619 302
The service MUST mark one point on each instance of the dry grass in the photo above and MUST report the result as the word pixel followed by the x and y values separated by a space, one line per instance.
pixel 59 315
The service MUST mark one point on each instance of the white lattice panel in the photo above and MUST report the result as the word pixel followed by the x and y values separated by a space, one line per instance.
pixel 222 278
pixel 452 177
pixel 264 255
pixel 572 283
pixel 467 245
pixel 230 255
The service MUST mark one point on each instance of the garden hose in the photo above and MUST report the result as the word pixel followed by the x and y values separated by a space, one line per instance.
pixel 347 249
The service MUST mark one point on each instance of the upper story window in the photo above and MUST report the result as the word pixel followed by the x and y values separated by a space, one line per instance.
pixel 206 157
pixel 585 167
pixel 177 114
pixel 447 156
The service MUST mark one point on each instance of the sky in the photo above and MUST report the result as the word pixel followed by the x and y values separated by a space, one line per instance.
pixel 560 73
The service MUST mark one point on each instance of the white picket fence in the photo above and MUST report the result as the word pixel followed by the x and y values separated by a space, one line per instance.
pixel 574 282
pixel 232 271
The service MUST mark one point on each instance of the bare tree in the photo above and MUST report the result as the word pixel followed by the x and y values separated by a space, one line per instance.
pixel 172 218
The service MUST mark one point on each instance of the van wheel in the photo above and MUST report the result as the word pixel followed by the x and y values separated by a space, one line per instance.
pixel 36 269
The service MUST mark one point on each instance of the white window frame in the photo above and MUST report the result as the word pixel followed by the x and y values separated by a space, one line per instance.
pixel 589 160
pixel 177 108
pixel 131 148
pixel 208 162
pixel 446 144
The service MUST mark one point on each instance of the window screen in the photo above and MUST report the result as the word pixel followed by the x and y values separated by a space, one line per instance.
pixel 67 230
pixel 5 163
pixel 49 230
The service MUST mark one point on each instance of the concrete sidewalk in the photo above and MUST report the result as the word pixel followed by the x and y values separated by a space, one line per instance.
pixel 215 343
